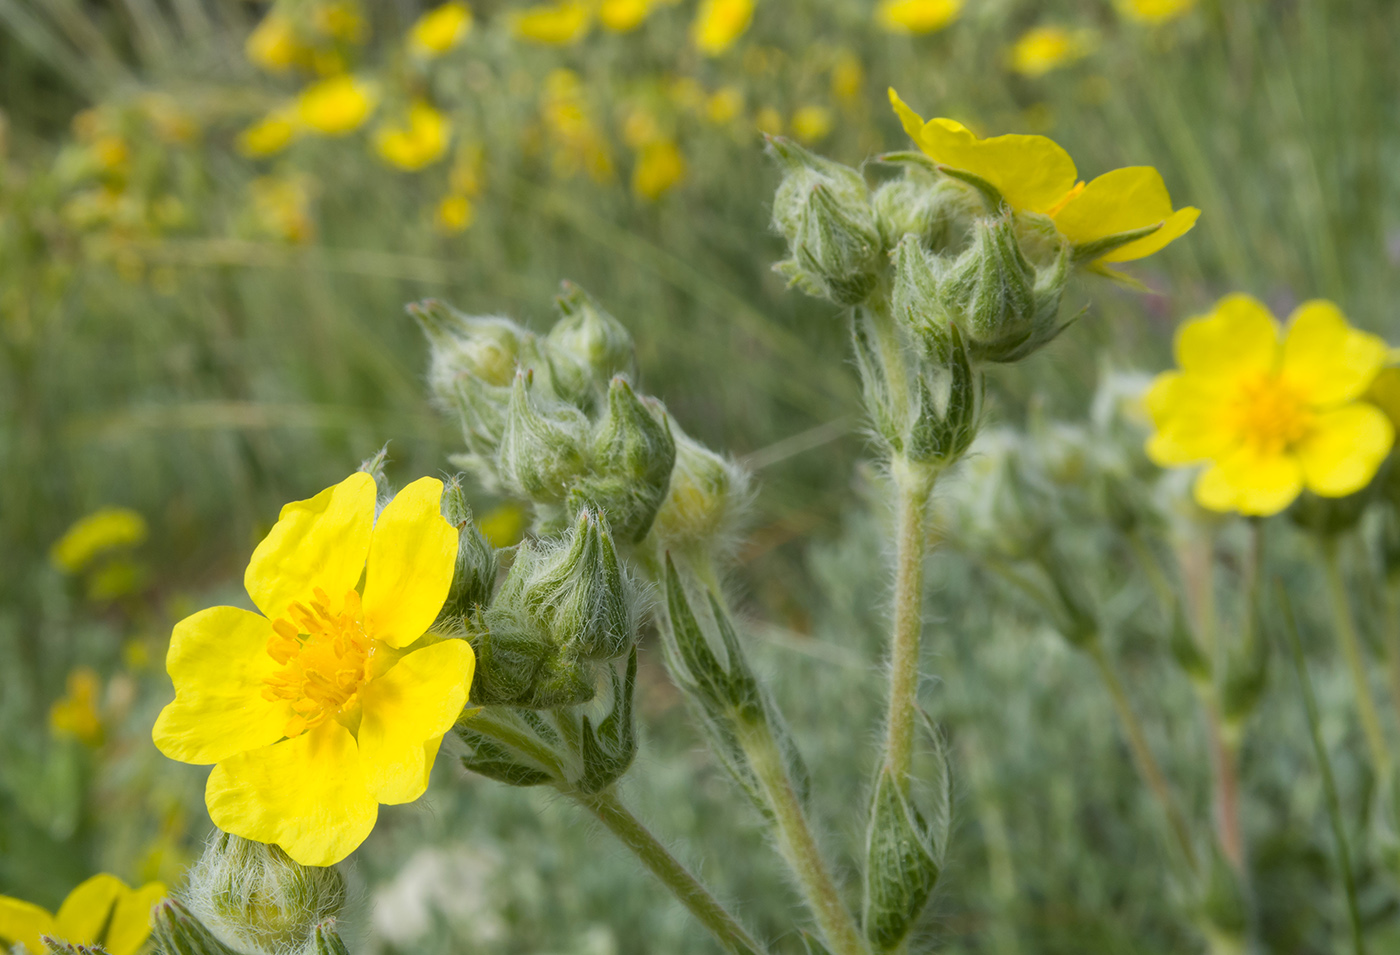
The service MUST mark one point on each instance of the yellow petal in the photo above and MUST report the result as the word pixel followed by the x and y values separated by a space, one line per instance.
pixel 415 702
pixel 1238 337
pixel 320 542
pixel 131 924
pixel 88 908
pixel 22 923
pixel 913 123
pixel 1344 448
pixel 307 795
pixel 411 559
pixel 1118 201
pixel 1325 358
pixel 1186 413
pixel 1251 483
pixel 218 660
pixel 1174 227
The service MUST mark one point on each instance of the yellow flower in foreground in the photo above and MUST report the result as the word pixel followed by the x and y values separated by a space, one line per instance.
pixel 622 16
pixel 1035 174
pixel 419 142
pixel 660 166
pixel 719 23
pixel 273 44
pixel 332 700
pixel 1155 11
pixel 1270 415
pixel 440 29
pixel 917 16
pixel 337 106
pixel 76 714
pixel 106 529
pixel 101 911
pixel 557 24
pixel 1047 48
pixel 269 135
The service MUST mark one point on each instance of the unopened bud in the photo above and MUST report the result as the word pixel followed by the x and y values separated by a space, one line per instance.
pixel 949 407
pixel 328 940
pixel 587 347
pixel 633 454
pixel 904 858
pixel 541 449
pixel 474 579
pixel 177 932
pixel 252 895
pixel 915 299
pixel 922 205
pixel 706 501
pixel 515 658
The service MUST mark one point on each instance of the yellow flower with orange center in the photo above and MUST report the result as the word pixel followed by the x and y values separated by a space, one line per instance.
pixel 1270 414
pixel 332 700
pixel 103 911
pixel 719 23
pixel 1035 174
pixel 917 16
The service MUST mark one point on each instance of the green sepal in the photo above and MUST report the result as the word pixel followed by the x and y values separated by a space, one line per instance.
pixel 1098 248
pixel 991 195
pixel 496 761
pixel 177 932
pixel 907 157
pixel 608 749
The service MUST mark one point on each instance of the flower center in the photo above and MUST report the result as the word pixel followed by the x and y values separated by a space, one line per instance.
pixel 325 659
pixel 1269 415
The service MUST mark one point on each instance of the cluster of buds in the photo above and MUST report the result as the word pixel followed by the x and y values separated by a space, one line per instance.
pixel 555 420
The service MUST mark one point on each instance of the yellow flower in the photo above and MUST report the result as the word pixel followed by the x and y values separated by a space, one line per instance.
pixel 557 24
pixel 622 16
pixel 847 78
pixel 331 701
pixel 1034 174
pixel 420 142
pixel 769 120
pixel 273 44
pixel 106 529
pixel 269 135
pixel 724 105
pixel 1043 49
pixel 101 911
pixel 1155 11
pixel 340 20
pixel 811 124
pixel 719 23
pixel 455 214
pixel 76 714
pixel 337 106
pixel 917 16
pixel 660 166
pixel 440 29
pixel 1270 415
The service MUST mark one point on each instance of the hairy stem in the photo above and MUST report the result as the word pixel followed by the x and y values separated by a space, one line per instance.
pixel 796 842
pixel 1142 754
pixel 609 810
pixel 1345 628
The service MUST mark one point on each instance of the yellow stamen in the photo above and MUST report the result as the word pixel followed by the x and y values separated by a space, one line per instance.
pixel 325 659
pixel 1269 415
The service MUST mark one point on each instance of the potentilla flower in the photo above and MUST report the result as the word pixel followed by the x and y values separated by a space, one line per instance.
pixel 660 166
pixel 332 700
pixel 271 134
pixel 104 911
pixel 337 106
pixel 917 16
pixel 719 23
pixel 110 528
pixel 440 29
pixel 1035 174
pixel 417 141
pixel 556 24
pixel 77 713
pixel 1155 11
pixel 623 16
pixel 273 44
pixel 1270 415
pixel 1047 48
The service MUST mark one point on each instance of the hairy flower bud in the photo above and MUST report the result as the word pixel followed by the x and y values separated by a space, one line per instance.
pixel 254 897
pixel 949 407
pixel 633 454
pixel 920 204
pixel 542 448
pixel 904 858
pixel 706 501
pixel 474 579
pixel 823 210
pixel 177 932
pixel 586 347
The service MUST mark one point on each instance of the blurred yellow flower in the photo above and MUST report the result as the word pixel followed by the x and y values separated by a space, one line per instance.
pixel 273 44
pixel 103 910
pixel 416 142
pixel 333 702
pixel 503 525
pixel 917 16
pixel 76 714
pixel 578 141
pixel 719 23
pixel 622 16
pixel 440 29
pixel 455 213
pixel 769 120
pixel 1046 48
pixel 557 24
pixel 724 105
pixel 340 20
pixel 660 167
pixel 1123 200
pixel 282 207
pixel 106 529
pixel 639 128
pixel 1269 415
pixel 111 152
pixel 1155 11
pixel 337 106
pixel 271 134
pixel 811 124
pixel 847 78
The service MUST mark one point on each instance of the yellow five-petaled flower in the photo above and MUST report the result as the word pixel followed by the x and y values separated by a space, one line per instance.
pixel 1035 174
pixel 332 700
pixel 101 911
pixel 1270 415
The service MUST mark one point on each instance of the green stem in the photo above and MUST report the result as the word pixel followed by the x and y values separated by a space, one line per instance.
pixel 1392 639
pixel 796 842
pixel 1345 627
pixel 609 810
pixel 1142 753
pixel 913 487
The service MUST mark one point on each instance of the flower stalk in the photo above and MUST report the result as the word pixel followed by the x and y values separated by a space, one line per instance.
pixel 1344 626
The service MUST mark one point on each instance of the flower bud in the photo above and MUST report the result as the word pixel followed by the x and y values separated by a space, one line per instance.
pixel 706 501
pixel 474 579
pixel 633 454
pixel 328 940
pixel 586 347
pixel 949 407
pixel 919 204
pixel 888 415
pixel 915 299
pixel 904 858
pixel 177 932
pixel 253 896
pixel 541 450
pixel 517 664
pixel 823 210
